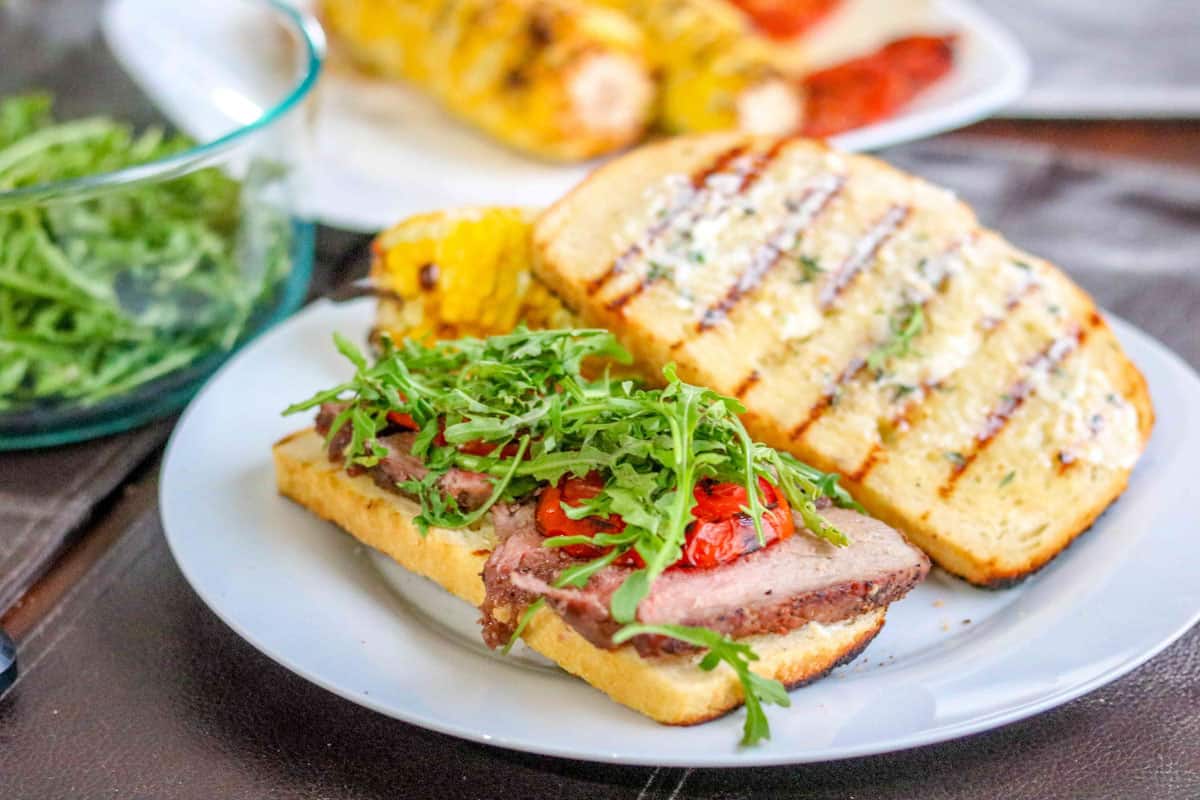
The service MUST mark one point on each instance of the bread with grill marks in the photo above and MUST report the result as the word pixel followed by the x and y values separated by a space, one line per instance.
pixel 970 393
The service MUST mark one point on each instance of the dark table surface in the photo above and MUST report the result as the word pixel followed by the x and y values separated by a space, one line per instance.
pixel 130 687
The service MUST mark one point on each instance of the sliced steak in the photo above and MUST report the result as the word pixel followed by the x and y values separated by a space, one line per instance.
pixel 325 417
pixel 518 552
pixel 469 489
pixel 774 590
pixel 399 465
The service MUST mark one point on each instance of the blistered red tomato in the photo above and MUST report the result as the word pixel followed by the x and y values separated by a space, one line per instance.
pixel 785 19
pixel 553 521
pixel 482 448
pixel 871 88
pixel 723 532
pixel 403 420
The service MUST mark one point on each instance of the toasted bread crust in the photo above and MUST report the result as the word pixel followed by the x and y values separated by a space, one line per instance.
pixel 671 690
pixel 989 441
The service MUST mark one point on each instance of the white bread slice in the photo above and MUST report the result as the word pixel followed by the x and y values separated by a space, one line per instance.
pixel 1013 419
pixel 671 690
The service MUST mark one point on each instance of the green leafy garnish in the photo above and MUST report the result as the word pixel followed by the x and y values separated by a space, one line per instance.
pixel 721 649
pixel 529 613
pixel 650 446
pixel 103 294
pixel 810 268
pixel 658 271
pixel 904 326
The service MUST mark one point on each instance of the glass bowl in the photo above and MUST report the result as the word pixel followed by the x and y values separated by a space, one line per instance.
pixel 149 221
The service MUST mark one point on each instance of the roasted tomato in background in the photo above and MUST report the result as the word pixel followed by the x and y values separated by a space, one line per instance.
pixel 868 89
pixel 786 19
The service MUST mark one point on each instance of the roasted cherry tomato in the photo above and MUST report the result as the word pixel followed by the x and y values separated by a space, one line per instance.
pixel 403 420
pixel 785 19
pixel 723 532
pixel 871 88
pixel 553 521
pixel 482 448
pixel 920 59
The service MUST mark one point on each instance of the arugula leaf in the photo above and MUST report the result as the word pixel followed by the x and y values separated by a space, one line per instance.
pixel 809 269
pixel 529 613
pixel 905 326
pixel 102 294
pixel 721 649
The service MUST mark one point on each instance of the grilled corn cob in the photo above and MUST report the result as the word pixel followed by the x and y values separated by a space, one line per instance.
pixel 463 272
pixel 715 72
pixel 559 79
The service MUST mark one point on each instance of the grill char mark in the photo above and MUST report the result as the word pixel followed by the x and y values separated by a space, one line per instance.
pixel 700 178
pixel 905 415
pixel 1067 458
pixel 750 176
pixel 760 163
pixel 829 397
pixel 803 211
pixel 746 384
pixel 698 182
pixel 998 418
pixel 868 463
pixel 857 261
pixel 990 326
pixel 852 370
pixel 1014 302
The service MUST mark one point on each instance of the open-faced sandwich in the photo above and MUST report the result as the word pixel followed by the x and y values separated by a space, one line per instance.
pixel 637 537
pixel 969 392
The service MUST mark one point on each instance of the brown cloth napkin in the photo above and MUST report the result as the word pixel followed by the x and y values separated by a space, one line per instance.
pixel 46 495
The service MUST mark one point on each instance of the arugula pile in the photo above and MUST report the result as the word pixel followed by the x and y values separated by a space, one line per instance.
pixel 651 446
pixel 100 295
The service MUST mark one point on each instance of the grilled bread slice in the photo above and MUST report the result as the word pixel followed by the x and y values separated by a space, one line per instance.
pixel 671 690
pixel 971 394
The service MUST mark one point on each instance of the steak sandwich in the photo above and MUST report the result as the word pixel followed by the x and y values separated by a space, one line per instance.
pixel 637 537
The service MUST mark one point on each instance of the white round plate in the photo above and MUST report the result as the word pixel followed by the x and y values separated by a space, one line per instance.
pixel 383 151
pixel 951 660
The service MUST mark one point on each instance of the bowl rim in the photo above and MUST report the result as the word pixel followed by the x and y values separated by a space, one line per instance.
pixel 312 36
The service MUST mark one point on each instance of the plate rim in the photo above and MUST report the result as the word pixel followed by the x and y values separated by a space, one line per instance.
pixel 710 759
pixel 1014 72
pixel 1008 78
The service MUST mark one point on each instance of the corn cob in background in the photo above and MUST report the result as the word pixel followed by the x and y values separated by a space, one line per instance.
pixel 561 79
pixel 461 272
pixel 715 71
